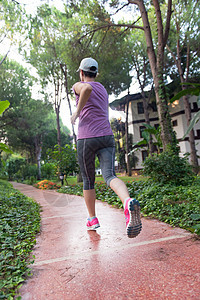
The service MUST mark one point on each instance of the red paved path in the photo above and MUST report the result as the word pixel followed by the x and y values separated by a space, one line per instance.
pixel 72 263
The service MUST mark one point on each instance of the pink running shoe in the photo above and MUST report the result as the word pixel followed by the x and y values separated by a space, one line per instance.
pixel 93 224
pixel 132 215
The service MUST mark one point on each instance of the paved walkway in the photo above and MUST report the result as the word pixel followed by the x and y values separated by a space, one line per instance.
pixel 72 263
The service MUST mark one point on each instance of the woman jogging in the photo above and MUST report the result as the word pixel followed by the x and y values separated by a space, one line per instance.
pixel 95 137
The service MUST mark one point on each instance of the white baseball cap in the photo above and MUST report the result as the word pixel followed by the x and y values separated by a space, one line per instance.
pixel 88 64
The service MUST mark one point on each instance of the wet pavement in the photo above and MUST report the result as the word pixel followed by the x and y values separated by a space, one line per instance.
pixel 73 263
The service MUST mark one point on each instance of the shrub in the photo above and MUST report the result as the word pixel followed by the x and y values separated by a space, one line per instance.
pixel 32 180
pixel 75 189
pixel 3 172
pixel 13 165
pixel 64 158
pixel 46 185
pixel 19 224
pixel 19 169
pixel 48 170
pixel 29 171
pixel 168 167
pixel 176 205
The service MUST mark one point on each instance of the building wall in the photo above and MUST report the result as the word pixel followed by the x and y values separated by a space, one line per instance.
pixel 179 122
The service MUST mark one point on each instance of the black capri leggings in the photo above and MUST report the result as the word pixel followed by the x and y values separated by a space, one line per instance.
pixel 104 148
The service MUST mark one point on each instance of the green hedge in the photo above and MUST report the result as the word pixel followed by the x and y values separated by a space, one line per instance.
pixel 168 167
pixel 176 205
pixel 19 224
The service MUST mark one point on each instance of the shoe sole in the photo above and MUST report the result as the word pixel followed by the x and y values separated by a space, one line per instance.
pixel 93 227
pixel 135 225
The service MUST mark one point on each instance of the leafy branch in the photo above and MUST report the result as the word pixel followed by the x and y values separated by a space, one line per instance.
pixel 194 91
pixel 3 106
pixel 108 26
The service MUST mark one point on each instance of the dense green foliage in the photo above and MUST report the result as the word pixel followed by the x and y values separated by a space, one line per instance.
pixel 64 159
pixel 28 126
pixel 68 36
pixel 19 223
pixel 176 205
pixel 48 171
pixel 12 20
pixel 168 167
pixel 3 106
pixel 18 169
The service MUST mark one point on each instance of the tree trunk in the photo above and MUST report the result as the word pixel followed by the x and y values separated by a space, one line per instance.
pixel 146 116
pixel 58 90
pixel 157 65
pixel 163 114
pixel 193 154
pixel 38 152
pixel 39 162
pixel 64 71
pixel 162 104
pixel 79 178
pixel 57 109
pixel 127 145
pixel 144 100
pixel 5 56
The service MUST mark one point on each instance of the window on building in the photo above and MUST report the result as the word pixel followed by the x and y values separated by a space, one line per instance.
pixel 195 106
pixel 174 123
pixel 140 107
pixel 198 133
pixel 154 106
pixel 156 126
pixel 141 129
pixel 144 155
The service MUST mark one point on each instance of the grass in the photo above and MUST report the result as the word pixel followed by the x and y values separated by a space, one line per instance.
pixel 71 180
pixel 19 224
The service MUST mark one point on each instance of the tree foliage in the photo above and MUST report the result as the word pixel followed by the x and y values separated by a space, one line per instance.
pixel 12 23
pixel 60 39
pixel 64 158
pixel 3 106
pixel 15 83
pixel 65 38
pixel 32 124
pixel 183 43
pixel 28 122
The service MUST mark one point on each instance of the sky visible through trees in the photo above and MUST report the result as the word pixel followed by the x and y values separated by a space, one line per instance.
pixel 31 8
pixel 116 33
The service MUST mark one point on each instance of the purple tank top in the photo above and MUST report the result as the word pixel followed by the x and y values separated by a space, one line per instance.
pixel 93 119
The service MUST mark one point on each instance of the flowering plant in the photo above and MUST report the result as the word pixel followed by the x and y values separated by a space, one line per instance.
pixel 46 185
